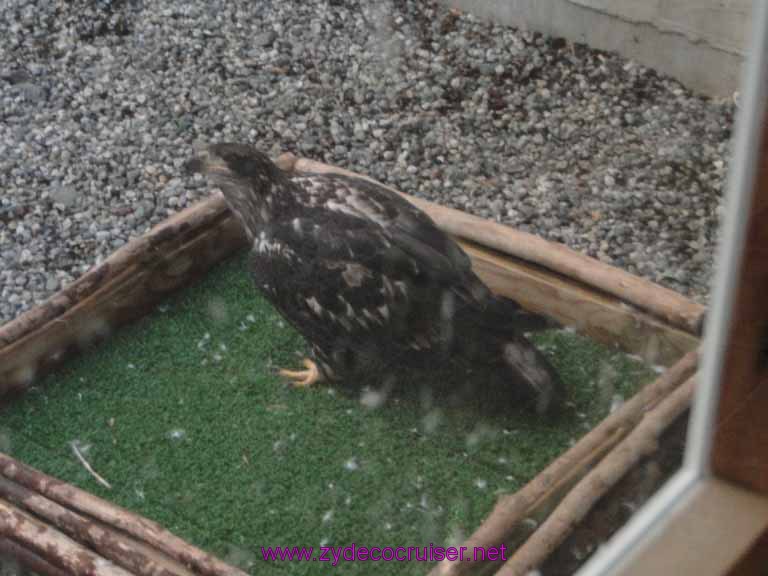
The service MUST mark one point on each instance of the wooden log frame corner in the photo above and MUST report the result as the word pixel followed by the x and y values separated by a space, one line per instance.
pixel 85 535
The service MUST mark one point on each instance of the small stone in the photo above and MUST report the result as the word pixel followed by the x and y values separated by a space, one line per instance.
pixel 265 39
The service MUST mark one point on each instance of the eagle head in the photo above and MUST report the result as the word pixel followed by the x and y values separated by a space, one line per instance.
pixel 247 178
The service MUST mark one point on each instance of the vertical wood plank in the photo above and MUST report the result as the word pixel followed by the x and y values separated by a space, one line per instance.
pixel 740 450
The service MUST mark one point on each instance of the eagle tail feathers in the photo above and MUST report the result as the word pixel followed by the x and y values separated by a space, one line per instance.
pixel 497 346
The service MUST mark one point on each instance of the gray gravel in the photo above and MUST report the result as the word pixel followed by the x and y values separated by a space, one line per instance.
pixel 101 100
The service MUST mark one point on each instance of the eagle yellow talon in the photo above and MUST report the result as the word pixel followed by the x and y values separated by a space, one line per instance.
pixel 303 378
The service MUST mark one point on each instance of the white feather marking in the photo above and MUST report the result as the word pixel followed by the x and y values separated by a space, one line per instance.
pixel 296 223
pixel 264 244
pixel 343 208
pixel 479 291
pixel 383 239
pixel 363 207
pixel 370 316
pixel 311 185
pixel 379 206
pixel 354 274
pixel 387 286
pixel 349 310
pixel 384 311
pixel 264 214
pixel 314 305
pixel 447 306
pixel 261 244
pixel 402 287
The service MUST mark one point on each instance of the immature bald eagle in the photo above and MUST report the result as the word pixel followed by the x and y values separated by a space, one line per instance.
pixel 369 280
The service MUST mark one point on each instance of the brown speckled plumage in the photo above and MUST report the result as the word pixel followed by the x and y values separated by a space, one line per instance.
pixel 369 280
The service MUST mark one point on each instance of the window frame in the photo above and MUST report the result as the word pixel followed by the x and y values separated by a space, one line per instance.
pixel 655 530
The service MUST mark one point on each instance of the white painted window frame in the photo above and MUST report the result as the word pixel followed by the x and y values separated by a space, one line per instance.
pixel 672 498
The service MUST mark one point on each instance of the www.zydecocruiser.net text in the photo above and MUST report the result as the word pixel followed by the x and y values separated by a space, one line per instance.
pixel 354 553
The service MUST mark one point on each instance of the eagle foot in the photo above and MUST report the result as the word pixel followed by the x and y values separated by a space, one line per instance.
pixel 303 378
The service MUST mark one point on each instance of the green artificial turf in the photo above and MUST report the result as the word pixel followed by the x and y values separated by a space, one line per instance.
pixel 183 414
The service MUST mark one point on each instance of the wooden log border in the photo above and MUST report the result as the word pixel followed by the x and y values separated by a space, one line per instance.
pixel 607 304
pixel 573 472
pixel 73 517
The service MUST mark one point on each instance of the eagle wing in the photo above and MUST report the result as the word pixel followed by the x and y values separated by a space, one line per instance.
pixel 362 295
pixel 404 225
pixel 416 234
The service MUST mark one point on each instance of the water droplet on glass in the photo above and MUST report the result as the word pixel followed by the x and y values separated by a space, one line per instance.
pixel 240 557
pixel 217 309
pixel 432 420
pixel 606 382
pixel 351 464
pixel 530 523
pixel 372 399
pixel 616 402
pixel 5 441
pixel 652 349
pixel 456 536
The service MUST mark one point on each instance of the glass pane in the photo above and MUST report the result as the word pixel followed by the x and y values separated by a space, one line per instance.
pixel 578 165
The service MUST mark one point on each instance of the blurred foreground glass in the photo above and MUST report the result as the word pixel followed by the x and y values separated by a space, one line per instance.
pixel 730 360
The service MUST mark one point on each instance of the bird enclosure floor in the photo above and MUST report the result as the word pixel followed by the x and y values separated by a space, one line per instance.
pixel 184 415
